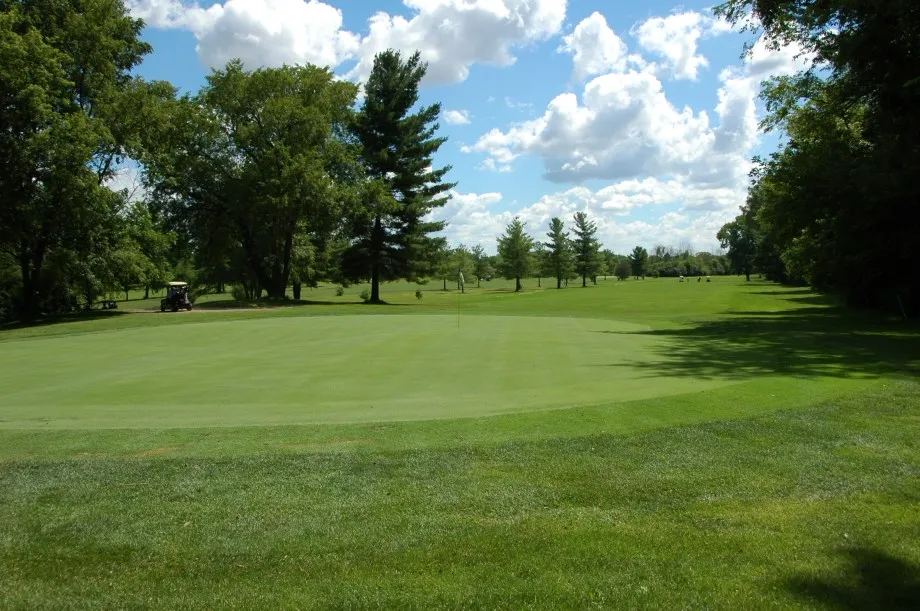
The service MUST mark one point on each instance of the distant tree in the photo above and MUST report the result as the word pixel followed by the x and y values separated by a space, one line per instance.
pixel 638 260
pixel 481 265
pixel 559 251
pixel 601 269
pixel 515 249
pixel 586 247
pixel 396 148
pixel 738 237
pixel 622 269
pixel 542 263
pixel 463 263
pixel 259 158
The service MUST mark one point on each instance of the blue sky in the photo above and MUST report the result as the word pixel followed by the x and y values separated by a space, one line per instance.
pixel 643 114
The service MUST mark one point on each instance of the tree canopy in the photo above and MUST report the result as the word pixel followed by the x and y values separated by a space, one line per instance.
pixel 515 248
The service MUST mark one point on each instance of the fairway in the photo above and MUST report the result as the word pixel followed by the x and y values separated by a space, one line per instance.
pixel 635 444
pixel 329 369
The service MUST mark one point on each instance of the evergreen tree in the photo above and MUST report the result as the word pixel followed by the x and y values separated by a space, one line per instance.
pixel 396 145
pixel 515 249
pixel 638 260
pixel 586 247
pixel 560 251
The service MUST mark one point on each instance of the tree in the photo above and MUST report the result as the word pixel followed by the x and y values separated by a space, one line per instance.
pixel 259 159
pixel 560 251
pixel 837 203
pixel 542 263
pixel 740 241
pixel 638 261
pixel 463 264
pixel 622 269
pixel 586 247
pixel 481 265
pixel 515 249
pixel 396 148
pixel 66 73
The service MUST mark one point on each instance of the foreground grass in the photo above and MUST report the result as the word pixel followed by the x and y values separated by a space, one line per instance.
pixel 810 506
pixel 783 473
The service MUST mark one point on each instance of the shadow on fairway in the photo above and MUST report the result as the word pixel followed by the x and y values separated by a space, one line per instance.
pixel 55 319
pixel 806 341
pixel 873 580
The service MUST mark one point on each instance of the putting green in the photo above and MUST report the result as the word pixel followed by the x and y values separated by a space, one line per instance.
pixel 327 369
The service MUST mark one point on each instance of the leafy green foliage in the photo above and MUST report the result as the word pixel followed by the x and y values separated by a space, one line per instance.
pixel 515 248
pixel 258 161
pixel 389 231
pixel 837 205
pixel 586 248
pixel 560 252
pixel 482 267
pixel 638 261
pixel 66 77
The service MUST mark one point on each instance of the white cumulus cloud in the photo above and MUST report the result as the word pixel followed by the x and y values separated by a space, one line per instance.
pixel 457 117
pixel 260 32
pixel 452 35
pixel 675 38
pixel 595 48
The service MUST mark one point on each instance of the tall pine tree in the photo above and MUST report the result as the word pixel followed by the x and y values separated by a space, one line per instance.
pixel 586 247
pixel 515 249
pixel 560 251
pixel 389 235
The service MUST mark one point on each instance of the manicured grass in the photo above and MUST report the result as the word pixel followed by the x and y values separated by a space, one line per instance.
pixel 637 444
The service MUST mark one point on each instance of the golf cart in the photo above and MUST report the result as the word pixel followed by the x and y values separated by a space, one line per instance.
pixel 176 297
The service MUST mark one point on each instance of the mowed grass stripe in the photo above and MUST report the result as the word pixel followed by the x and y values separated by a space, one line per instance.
pixel 327 369
pixel 756 512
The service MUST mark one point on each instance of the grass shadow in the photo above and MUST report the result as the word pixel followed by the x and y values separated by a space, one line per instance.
pixel 55 319
pixel 284 303
pixel 873 580
pixel 807 341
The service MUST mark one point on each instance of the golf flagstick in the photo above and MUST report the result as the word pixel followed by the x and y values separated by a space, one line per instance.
pixel 458 299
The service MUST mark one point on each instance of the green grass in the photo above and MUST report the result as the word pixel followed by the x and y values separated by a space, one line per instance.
pixel 636 444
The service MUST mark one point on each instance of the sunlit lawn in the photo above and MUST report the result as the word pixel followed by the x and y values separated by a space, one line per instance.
pixel 634 444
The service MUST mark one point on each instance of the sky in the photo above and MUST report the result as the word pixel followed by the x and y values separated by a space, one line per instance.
pixel 643 114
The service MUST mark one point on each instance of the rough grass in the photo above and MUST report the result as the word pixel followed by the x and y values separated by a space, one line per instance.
pixel 793 482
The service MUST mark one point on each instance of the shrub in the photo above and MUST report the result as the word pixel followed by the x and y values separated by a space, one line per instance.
pixel 366 295
pixel 339 291
pixel 418 294
pixel 238 292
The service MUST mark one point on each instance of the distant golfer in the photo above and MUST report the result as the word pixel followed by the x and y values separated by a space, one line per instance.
pixel 462 283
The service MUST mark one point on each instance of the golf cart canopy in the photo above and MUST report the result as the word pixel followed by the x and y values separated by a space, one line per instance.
pixel 177 283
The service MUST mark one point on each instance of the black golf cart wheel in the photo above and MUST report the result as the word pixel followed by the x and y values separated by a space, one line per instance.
pixel 175 308
pixel 188 307
pixel 162 308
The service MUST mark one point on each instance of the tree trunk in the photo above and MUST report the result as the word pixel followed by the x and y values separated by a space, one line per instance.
pixel 517 284
pixel 747 275
pixel 297 287
pixel 30 265
pixel 375 261
pixel 445 284
pixel 146 291
pixel 375 283
pixel 584 280
pixel 539 283
pixel 478 282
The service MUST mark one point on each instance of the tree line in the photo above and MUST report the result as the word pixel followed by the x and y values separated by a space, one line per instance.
pixel 837 206
pixel 261 181
pixel 565 256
